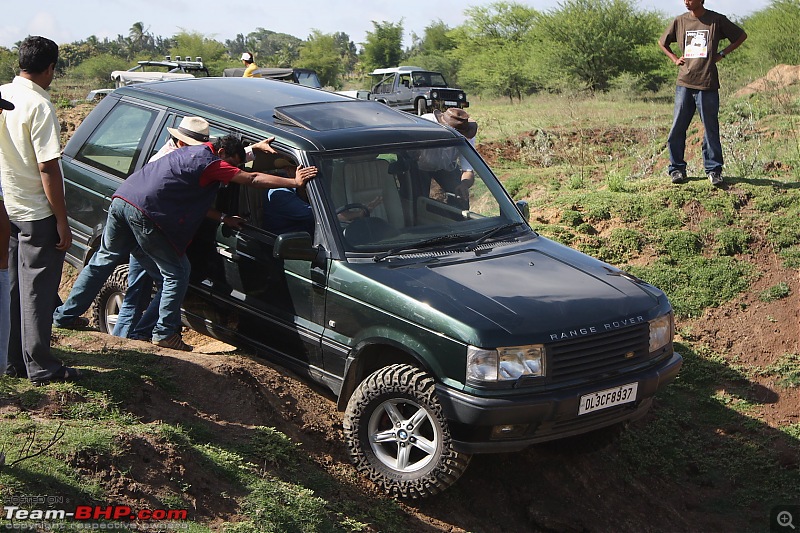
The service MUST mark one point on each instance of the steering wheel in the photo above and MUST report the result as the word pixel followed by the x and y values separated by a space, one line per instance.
pixel 349 207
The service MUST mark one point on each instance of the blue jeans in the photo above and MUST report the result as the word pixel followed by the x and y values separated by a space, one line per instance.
pixel 5 318
pixel 707 104
pixel 128 231
pixel 138 314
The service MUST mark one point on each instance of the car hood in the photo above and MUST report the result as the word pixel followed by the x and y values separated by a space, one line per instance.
pixel 548 291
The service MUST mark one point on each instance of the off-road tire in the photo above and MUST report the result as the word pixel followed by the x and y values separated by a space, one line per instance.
pixel 430 464
pixel 108 301
pixel 421 106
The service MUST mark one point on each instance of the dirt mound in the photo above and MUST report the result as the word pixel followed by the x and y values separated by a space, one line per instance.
pixel 778 77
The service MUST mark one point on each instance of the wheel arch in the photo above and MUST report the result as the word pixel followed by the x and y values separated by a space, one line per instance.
pixel 371 355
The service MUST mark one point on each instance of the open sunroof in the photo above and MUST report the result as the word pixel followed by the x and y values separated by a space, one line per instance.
pixel 326 116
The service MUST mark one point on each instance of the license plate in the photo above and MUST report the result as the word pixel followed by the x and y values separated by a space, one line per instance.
pixel 596 401
pixel 449 103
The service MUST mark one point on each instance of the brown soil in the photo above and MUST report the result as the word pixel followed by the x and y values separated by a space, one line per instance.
pixel 779 77
pixel 540 489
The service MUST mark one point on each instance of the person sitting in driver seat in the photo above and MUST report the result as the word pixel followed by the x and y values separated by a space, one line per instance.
pixel 287 210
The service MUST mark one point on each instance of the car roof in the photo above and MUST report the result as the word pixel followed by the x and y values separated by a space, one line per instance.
pixel 390 70
pixel 249 103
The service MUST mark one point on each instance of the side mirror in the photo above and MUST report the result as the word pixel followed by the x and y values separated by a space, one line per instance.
pixel 524 209
pixel 294 245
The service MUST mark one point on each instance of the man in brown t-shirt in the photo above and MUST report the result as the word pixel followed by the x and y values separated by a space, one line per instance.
pixel 698 34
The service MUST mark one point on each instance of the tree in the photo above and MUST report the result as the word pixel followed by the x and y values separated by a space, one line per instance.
pixel 347 51
pixel 9 63
pixel 495 47
pixel 593 41
pixel 384 45
pixel 195 44
pixel 772 35
pixel 434 51
pixel 140 40
pixel 321 54
pixel 270 49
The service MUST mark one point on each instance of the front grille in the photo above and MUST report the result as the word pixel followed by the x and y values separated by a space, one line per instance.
pixel 447 95
pixel 598 356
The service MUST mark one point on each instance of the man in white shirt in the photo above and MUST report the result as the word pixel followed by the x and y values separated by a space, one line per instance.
pixel 30 152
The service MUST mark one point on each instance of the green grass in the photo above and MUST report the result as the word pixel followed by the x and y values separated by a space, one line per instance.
pixel 702 435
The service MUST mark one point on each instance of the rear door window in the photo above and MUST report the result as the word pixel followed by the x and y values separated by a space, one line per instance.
pixel 115 146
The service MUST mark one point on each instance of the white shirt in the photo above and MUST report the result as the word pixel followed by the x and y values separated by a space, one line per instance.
pixel 448 158
pixel 29 136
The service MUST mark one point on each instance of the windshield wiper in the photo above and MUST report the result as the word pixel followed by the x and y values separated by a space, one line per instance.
pixel 480 240
pixel 422 244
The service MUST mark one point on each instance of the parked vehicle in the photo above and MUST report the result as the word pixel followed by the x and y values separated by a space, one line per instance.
pixel 301 76
pixel 443 330
pixel 147 70
pixel 415 90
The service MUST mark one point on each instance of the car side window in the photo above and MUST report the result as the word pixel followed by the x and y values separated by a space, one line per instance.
pixel 115 145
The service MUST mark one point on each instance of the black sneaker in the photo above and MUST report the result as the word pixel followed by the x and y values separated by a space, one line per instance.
pixel 715 177
pixel 678 176
pixel 79 323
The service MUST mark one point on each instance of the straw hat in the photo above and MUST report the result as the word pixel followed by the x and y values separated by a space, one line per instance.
pixel 191 130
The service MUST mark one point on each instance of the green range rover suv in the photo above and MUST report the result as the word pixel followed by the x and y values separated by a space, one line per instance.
pixel 444 325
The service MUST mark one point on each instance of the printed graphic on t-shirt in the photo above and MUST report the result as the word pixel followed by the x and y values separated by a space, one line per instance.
pixel 696 44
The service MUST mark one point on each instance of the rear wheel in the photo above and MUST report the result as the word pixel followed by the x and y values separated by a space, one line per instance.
pixel 397 434
pixel 422 106
pixel 109 300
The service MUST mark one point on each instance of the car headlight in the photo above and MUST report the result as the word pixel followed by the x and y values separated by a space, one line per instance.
pixel 461 96
pixel 504 364
pixel 434 94
pixel 661 332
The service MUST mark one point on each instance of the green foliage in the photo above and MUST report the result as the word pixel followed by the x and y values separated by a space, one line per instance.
pixel 623 243
pixel 496 48
pixel 275 506
pixel 97 70
pixel 195 44
pixel 732 241
pixel 791 257
pixel 383 47
pixel 434 52
pixel 786 369
pixel 772 35
pixel 269 48
pixel 272 446
pixel 784 230
pixel 571 217
pixel 595 41
pixel 696 282
pixel 679 245
pixel 776 292
pixel 321 54
pixel 9 64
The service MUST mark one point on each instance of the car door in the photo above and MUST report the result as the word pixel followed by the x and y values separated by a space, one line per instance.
pixel 275 304
pixel 95 166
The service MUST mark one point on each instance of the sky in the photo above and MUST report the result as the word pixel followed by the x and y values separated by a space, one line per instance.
pixel 67 22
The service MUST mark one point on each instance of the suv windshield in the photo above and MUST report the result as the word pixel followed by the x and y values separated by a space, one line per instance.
pixel 429 79
pixel 411 199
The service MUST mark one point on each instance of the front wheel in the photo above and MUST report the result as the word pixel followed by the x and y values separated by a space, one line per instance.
pixel 397 435
pixel 422 106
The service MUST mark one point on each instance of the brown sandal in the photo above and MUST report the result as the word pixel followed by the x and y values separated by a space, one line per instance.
pixel 174 342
